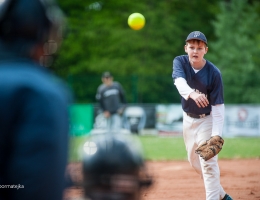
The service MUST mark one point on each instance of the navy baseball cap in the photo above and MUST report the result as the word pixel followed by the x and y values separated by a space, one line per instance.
pixel 197 35
pixel 106 75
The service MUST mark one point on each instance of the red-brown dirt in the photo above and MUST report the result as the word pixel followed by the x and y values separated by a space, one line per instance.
pixel 177 180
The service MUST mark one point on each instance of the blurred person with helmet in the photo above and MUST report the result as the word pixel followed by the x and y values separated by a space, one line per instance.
pixel 114 168
pixel 33 102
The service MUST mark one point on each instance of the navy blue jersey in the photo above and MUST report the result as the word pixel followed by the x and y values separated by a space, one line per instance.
pixel 207 81
pixel 34 131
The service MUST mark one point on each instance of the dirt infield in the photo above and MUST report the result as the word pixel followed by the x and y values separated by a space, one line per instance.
pixel 177 180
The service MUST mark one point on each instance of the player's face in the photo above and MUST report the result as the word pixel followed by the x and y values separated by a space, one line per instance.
pixel 196 50
pixel 107 80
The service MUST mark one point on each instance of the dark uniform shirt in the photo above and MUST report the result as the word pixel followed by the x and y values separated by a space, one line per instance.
pixel 111 98
pixel 207 81
pixel 33 132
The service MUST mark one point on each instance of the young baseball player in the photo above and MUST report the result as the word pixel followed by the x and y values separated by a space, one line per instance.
pixel 199 83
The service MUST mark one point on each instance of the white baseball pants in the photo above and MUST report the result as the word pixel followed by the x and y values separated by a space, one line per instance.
pixel 114 123
pixel 196 131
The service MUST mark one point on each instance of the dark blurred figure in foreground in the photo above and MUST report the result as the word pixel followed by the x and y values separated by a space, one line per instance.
pixel 33 103
pixel 114 168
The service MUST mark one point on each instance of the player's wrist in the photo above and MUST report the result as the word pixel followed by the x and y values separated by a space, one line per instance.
pixel 192 95
pixel 216 134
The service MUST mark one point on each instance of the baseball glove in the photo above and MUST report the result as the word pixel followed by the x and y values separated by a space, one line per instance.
pixel 210 148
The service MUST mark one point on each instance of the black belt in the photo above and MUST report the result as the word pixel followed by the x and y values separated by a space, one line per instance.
pixel 198 116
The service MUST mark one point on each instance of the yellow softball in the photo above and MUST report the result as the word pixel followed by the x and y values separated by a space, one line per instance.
pixel 136 21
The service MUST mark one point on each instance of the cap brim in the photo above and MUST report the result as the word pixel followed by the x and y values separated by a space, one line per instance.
pixel 196 39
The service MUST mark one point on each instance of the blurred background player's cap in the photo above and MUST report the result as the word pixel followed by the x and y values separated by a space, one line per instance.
pixel 106 75
pixel 197 35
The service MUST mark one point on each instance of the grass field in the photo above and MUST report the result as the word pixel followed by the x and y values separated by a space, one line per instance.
pixel 172 148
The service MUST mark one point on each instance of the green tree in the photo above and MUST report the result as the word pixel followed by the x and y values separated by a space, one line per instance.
pixel 100 39
pixel 236 50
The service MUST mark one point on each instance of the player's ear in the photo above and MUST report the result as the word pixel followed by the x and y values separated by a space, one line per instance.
pixel 206 50
pixel 185 48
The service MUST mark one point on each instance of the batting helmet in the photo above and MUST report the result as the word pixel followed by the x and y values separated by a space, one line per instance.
pixel 114 168
pixel 25 23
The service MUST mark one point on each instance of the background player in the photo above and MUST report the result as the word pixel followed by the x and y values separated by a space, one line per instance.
pixel 199 82
pixel 111 98
pixel 33 103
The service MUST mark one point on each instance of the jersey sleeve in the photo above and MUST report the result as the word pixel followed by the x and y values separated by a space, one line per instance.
pixel 218 115
pixel 98 94
pixel 183 88
pixel 100 99
pixel 178 68
pixel 217 93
